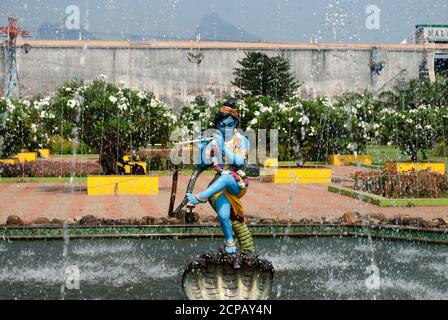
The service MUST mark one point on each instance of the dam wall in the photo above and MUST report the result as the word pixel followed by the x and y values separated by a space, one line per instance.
pixel 165 67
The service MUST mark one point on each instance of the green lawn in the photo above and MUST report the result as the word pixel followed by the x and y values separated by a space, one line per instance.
pixel 383 154
pixel 386 202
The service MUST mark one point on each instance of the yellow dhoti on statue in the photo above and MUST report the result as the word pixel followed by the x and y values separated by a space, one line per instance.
pixel 237 209
pixel 239 226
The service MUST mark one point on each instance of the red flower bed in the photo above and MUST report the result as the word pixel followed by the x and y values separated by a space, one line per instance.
pixel 393 185
pixel 153 153
pixel 52 168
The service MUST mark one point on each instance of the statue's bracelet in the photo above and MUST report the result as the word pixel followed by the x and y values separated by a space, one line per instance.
pixel 200 199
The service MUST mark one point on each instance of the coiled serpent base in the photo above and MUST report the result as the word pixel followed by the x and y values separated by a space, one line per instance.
pixel 213 276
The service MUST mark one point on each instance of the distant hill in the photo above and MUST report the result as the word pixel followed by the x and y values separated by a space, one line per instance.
pixel 214 28
pixel 59 32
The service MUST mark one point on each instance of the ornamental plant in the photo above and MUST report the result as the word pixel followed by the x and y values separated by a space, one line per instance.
pixel 54 167
pixel 362 121
pixel 198 113
pixel 20 127
pixel 307 129
pixel 441 125
pixel 110 120
pixel 264 113
pixel 326 133
pixel 314 129
pixel 393 185
pixel 261 75
pixel 413 131
pixel 414 93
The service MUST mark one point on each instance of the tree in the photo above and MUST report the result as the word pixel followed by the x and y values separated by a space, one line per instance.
pixel 412 131
pixel 20 127
pixel 15 130
pixel 110 120
pixel 414 93
pixel 261 75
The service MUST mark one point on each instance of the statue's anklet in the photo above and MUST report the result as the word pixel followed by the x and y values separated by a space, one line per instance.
pixel 230 245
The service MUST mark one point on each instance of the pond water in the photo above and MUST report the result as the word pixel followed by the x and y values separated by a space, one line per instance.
pixel 312 268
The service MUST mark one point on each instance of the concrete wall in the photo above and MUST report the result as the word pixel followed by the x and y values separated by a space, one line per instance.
pixel 3 70
pixel 167 71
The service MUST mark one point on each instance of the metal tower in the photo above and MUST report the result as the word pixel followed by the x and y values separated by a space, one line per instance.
pixel 13 78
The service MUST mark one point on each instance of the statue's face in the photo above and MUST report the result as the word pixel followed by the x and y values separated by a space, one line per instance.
pixel 227 126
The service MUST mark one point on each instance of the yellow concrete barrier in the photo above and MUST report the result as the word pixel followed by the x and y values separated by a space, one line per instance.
pixel 303 175
pixel 271 162
pixel 44 153
pixel 267 174
pixel 402 167
pixel 122 185
pixel 27 156
pixel 128 168
pixel 349 159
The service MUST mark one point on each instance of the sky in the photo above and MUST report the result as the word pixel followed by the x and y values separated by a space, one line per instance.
pixel 330 21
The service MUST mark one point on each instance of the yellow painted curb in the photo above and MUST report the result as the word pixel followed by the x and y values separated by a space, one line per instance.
pixel 11 162
pixel 271 162
pixel 267 174
pixel 44 153
pixel 303 175
pixel 27 156
pixel 402 167
pixel 122 185
pixel 349 159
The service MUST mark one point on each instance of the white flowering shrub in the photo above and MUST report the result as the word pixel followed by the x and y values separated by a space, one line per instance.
pixel 411 130
pixel 113 120
pixel 20 127
pixel 417 92
pixel 415 116
pixel 290 119
pixel 308 129
pixel 360 122
pixel 110 120
pixel 442 125
pixel 198 113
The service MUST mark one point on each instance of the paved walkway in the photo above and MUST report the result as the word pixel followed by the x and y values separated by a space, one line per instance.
pixel 264 200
